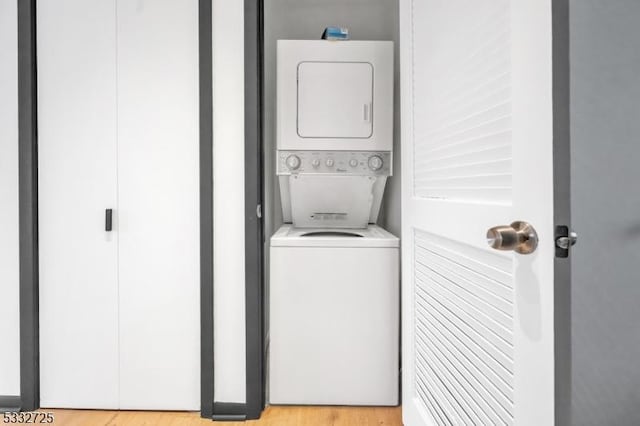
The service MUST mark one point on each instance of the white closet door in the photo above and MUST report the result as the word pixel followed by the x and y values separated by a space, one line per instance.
pixel 158 198
pixel 77 182
pixel 9 238
pixel 477 151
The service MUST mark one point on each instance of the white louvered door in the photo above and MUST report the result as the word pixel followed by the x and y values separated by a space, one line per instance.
pixel 477 132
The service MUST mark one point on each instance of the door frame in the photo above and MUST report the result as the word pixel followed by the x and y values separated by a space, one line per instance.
pixel 254 196
pixel 28 207
pixel 561 208
pixel 205 75
pixel 255 384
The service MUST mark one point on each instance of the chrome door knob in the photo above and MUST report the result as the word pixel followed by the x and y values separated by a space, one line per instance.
pixel 520 237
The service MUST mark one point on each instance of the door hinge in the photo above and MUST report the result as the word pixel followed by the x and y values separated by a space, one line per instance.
pixel 565 239
pixel 259 211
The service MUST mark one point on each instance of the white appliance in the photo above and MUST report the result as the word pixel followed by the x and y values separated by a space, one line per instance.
pixel 334 130
pixel 334 317
pixel 334 285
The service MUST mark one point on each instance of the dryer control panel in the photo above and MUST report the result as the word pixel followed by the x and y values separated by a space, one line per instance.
pixel 361 163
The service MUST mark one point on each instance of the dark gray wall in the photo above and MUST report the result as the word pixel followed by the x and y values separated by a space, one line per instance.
pixel 605 175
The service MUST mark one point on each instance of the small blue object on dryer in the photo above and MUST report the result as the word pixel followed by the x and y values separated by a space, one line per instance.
pixel 335 33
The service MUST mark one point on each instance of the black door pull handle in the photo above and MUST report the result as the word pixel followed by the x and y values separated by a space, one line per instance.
pixel 108 220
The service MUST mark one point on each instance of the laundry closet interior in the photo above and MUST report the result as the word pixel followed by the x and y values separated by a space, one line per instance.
pixel 331 222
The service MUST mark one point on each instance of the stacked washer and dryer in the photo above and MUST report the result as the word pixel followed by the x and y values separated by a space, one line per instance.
pixel 334 274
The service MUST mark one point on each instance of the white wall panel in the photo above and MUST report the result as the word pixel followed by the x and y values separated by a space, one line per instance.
pixel 228 200
pixel 9 297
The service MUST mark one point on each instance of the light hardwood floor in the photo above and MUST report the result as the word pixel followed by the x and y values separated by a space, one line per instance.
pixel 272 416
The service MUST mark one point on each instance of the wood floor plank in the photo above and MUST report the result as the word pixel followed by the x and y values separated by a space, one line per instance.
pixel 272 416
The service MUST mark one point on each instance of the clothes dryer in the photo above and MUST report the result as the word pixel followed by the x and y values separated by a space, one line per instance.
pixel 334 131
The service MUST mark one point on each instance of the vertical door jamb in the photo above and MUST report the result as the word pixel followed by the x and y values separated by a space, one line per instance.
pixel 28 207
pixel 254 232
pixel 562 208
pixel 206 208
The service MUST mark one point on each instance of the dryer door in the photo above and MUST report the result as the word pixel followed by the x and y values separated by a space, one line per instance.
pixel 335 100
pixel 334 96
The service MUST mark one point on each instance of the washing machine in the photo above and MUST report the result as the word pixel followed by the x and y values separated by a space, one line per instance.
pixel 334 316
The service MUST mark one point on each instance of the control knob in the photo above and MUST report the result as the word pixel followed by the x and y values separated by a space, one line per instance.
pixel 329 162
pixel 375 162
pixel 293 162
pixel 315 163
pixel 353 162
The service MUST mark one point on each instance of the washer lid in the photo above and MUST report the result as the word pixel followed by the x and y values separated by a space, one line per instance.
pixel 372 236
